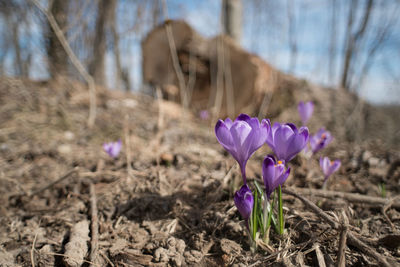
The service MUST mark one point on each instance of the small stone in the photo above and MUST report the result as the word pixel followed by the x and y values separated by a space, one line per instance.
pixel 372 161
pixel 230 247
pixel 366 155
pixel 180 246
pixel 4 147
pixel 129 103
pixel 68 135
pixel 193 256
pixel 177 259
pixel 167 158
pixel 64 149
pixel 161 255
pixel 118 246
pixel 234 227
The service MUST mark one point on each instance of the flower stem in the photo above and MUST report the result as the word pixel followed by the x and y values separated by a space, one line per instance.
pixel 254 216
pixel 243 171
pixel 267 224
pixel 280 210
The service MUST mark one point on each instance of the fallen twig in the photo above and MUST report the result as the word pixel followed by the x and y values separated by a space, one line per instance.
pixel 320 256
pixel 65 176
pixel 300 245
pixel 341 257
pixel 351 238
pixel 33 250
pixel 94 225
pixel 76 248
pixel 62 255
pixel 351 197
pixel 387 206
pixel 74 60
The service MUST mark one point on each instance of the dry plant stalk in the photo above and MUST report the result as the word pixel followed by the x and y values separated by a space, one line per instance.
pixel 352 239
pixel 77 248
pixel 352 197
pixel 75 61
pixel 65 176
pixel 94 225
pixel 341 258
pixel 175 60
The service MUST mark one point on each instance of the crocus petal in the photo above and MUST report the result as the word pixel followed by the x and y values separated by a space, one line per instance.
pixel 243 117
pixel 258 135
pixel 244 201
pixel 305 111
pixel 335 166
pixel 228 123
pixel 106 147
pixel 240 131
pixel 224 136
pixel 271 134
pixel 268 173
pixel 324 163
pixel 273 174
pixel 328 167
pixel 113 148
pixel 281 137
pixel 282 178
pixel 293 127
pixel 297 144
pixel 320 140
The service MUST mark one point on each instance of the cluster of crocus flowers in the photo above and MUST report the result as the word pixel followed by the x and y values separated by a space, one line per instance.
pixel 318 141
pixel 204 115
pixel 113 148
pixel 241 138
pixel 305 111
pixel 328 167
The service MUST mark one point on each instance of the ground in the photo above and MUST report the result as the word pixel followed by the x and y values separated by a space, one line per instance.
pixel 167 200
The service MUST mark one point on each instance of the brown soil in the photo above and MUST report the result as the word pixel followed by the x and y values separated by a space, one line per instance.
pixel 167 199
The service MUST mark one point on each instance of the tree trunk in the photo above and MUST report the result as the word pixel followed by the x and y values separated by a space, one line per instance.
pixel 232 19
pixel 96 68
pixel 58 59
pixel 353 40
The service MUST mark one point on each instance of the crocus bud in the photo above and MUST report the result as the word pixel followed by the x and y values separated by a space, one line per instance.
pixel 328 167
pixel 242 137
pixel 113 148
pixel 204 115
pixel 286 141
pixel 244 201
pixel 274 174
pixel 320 140
pixel 305 111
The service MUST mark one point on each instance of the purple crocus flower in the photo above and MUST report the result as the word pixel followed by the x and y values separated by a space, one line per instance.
pixel 328 167
pixel 320 140
pixel 305 111
pixel 242 137
pixel 286 140
pixel 274 174
pixel 204 115
pixel 113 148
pixel 244 201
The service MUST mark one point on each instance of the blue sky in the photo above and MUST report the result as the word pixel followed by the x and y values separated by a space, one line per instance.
pixel 265 33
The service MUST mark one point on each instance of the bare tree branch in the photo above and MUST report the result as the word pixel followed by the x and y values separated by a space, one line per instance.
pixel 75 61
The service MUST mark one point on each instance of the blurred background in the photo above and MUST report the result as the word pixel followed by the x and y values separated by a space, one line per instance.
pixel 352 44
pixel 226 56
